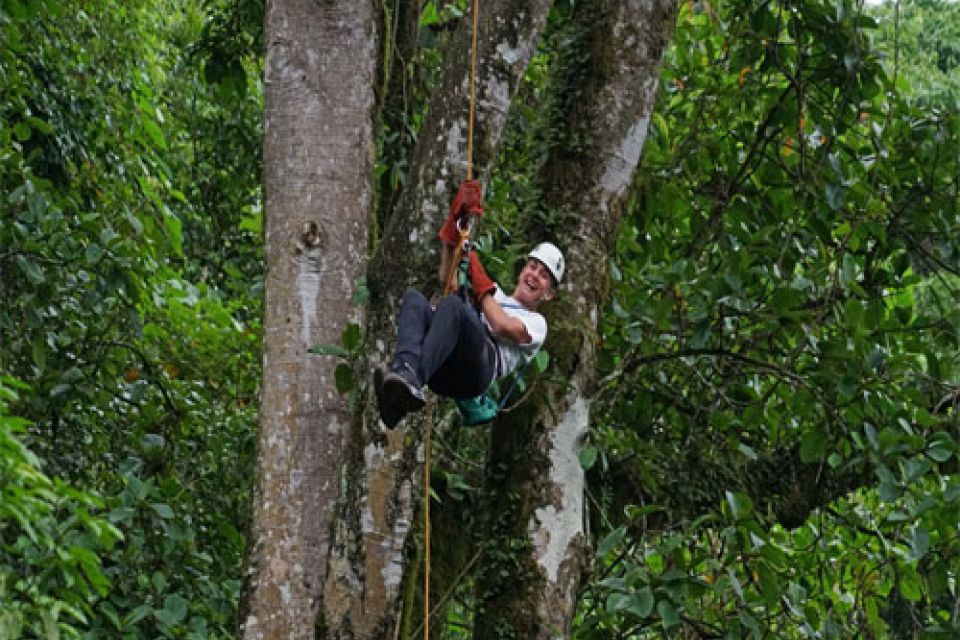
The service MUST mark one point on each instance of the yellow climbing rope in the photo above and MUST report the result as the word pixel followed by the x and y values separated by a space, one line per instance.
pixel 450 285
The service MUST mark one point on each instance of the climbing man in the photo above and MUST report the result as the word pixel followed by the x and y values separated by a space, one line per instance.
pixel 454 350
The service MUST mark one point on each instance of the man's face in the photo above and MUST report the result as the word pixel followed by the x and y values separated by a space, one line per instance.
pixel 535 283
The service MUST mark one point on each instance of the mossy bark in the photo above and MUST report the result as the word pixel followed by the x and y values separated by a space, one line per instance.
pixel 605 87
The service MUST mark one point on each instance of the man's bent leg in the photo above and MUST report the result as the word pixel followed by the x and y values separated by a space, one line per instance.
pixel 399 388
pixel 458 358
pixel 413 323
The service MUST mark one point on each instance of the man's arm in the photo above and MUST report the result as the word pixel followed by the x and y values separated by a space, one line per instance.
pixel 446 256
pixel 502 323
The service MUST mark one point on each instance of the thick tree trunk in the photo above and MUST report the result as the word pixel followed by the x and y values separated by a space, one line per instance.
pixel 613 73
pixel 377 517
pixel 318 157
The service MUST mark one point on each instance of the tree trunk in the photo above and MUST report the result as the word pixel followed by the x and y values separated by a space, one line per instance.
pixel 318 158
pixel 613 73
pixel 377 517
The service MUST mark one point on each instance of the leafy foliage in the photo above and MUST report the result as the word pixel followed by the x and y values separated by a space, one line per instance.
pixel 775 450
pixel 130 293
pixel 50 538
pixel 784 316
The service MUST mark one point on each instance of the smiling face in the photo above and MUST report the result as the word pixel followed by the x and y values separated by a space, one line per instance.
pixel 535 284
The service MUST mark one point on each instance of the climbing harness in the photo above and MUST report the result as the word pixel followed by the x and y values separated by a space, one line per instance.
pixel 484 408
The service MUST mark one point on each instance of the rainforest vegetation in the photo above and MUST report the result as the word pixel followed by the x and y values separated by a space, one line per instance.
pixel 773 441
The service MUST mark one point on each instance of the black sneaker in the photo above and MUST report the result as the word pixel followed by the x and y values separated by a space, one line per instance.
pixel 398 393
pixel 388 414
pixel 402 389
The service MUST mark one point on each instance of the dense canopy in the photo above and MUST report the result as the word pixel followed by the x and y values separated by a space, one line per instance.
pixel 773 439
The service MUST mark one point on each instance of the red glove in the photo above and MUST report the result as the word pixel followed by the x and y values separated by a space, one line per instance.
pixel 467 202
pixel 479 280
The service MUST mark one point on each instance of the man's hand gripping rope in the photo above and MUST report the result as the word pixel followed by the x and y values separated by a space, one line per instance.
pixel 464 268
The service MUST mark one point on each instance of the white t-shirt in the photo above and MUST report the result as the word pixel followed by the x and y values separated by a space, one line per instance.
pixel 511 352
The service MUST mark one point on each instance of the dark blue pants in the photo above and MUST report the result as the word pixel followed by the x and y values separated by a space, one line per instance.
pixel 448 346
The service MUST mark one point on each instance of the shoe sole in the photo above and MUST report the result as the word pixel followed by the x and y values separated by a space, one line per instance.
pixel 396 393
pixel 388 415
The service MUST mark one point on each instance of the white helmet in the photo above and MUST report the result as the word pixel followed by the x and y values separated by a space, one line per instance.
pixel 550 256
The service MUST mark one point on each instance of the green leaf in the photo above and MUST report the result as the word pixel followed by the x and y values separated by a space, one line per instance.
pixel 361 294
pixel 92 253
pixel 668 613
pixel 750 622
pixel 137 615
pixel 325 349
pixel 740 504
pixel 174 610
pixel 919 542
pixel 39 125
pixel 351 338
pixel 853 312
pixel 60 389
pixel 940 455
pixel 22 131
pixel 30 269
pixel 813 445
pixel 51 630
pixel 848 271
pixel 735 583
pixel 153 131
pixel 770 584
pixel 911 585
pixel 541 361
pixel 162 510
pixel 747 451
pixel 588 457
pixel 429 15
pixel 641 603
pixel 159 582
pixel 834 193
pixel 175 231
pixel 39 352
pixel 941 447
pixel 611 540
pixel 938 580
pixel 343 378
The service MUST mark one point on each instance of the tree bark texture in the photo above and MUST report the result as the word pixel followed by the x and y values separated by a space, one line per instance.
pixel 318 156
pixel 508 33
pixel 377 516
pixel 610 77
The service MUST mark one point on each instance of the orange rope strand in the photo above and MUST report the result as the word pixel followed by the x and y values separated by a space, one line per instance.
pixel 426 520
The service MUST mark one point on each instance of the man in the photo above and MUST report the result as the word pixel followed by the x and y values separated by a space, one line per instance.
pixel 454 350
